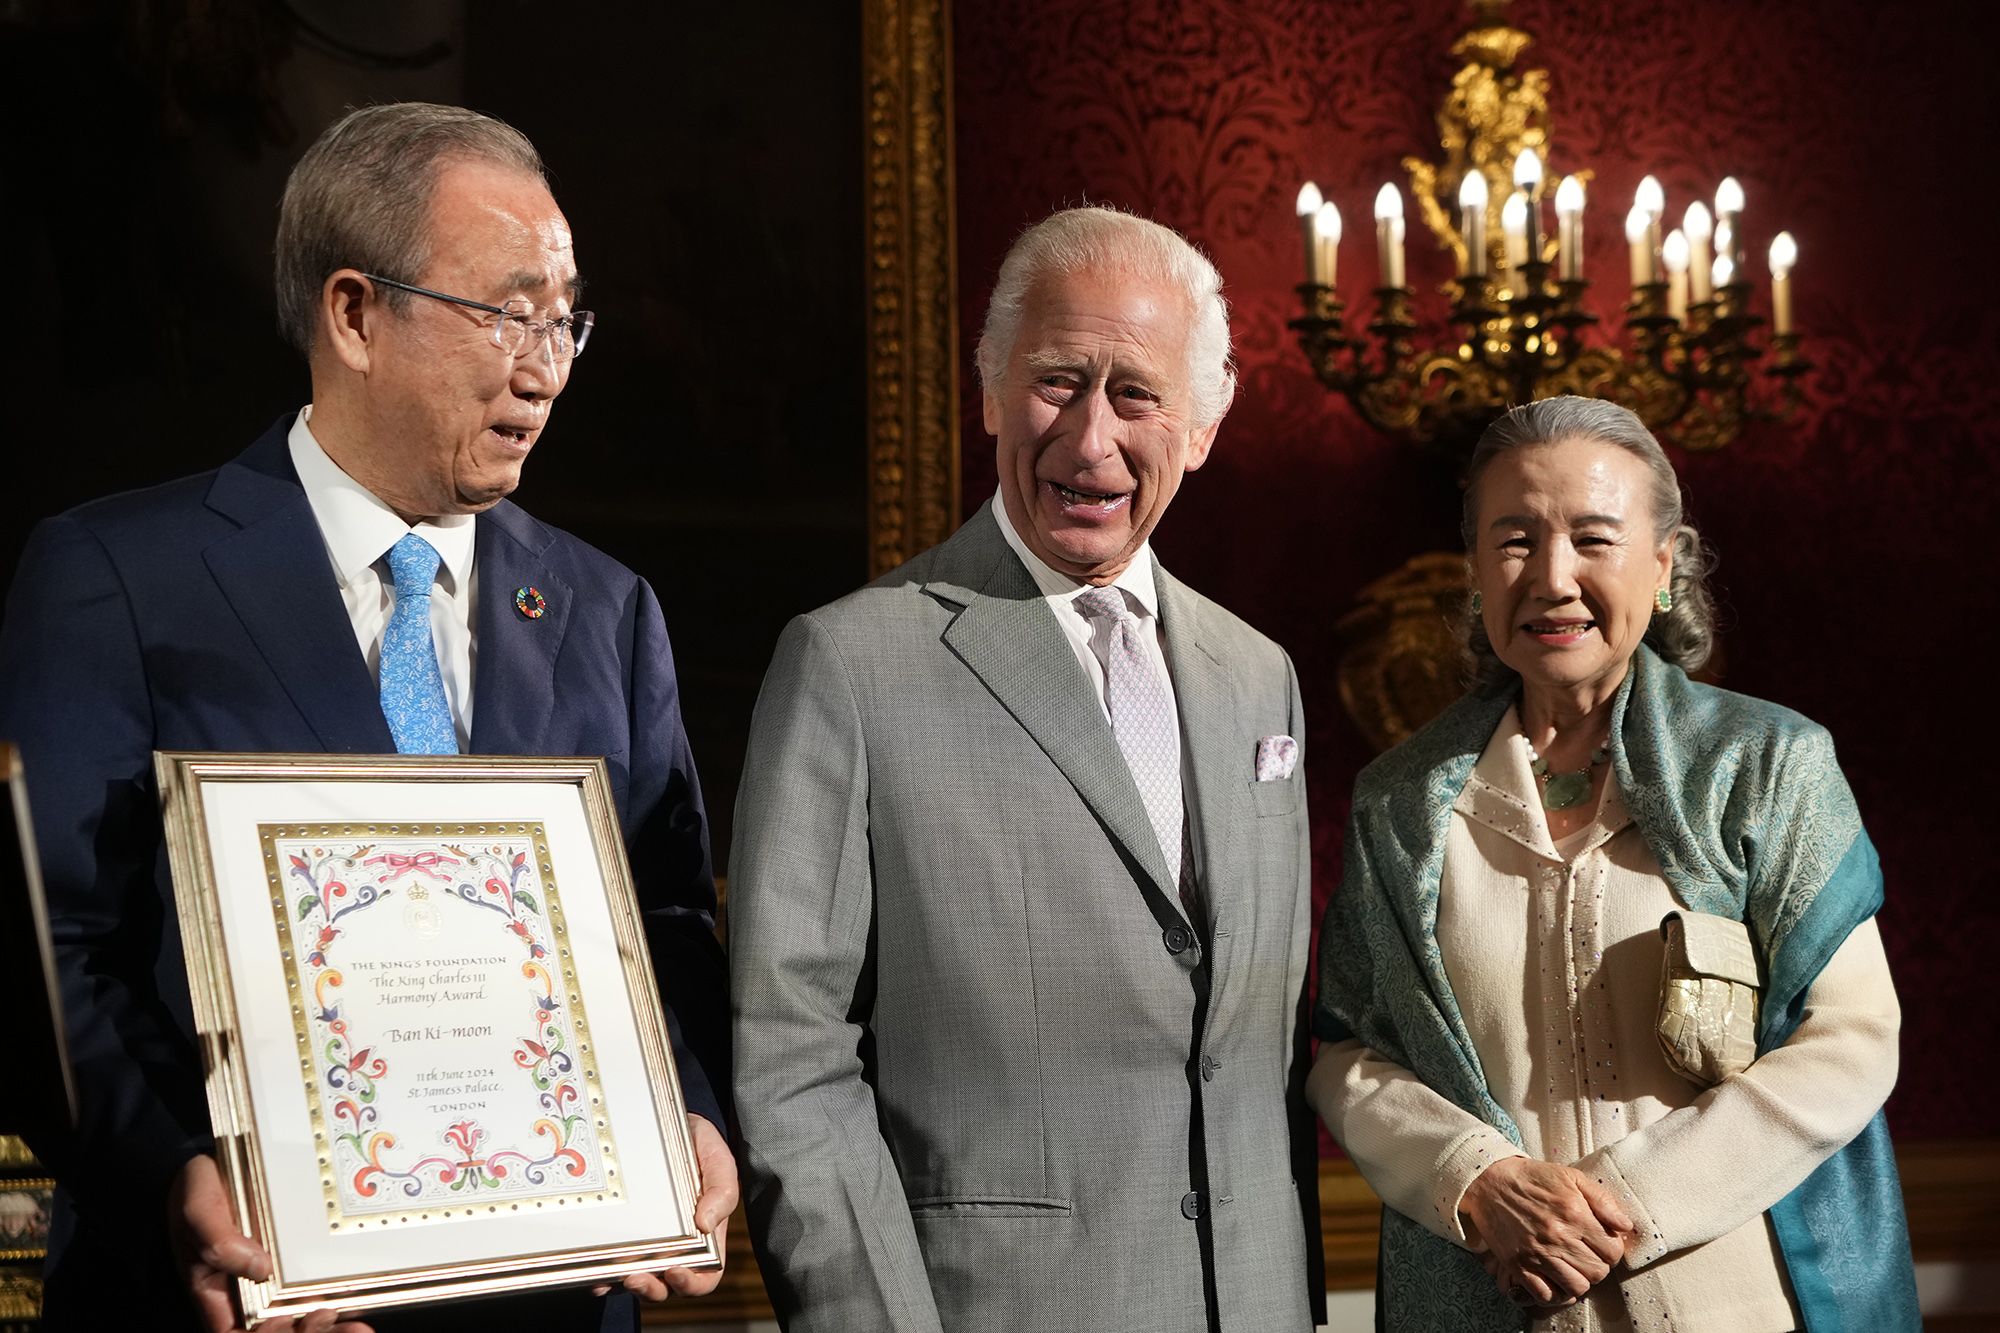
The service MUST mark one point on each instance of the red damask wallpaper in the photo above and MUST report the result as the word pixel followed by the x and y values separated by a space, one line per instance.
pixel 1857 543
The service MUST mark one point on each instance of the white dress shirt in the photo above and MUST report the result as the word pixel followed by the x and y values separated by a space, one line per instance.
pixel 359 530
pixel 1091 639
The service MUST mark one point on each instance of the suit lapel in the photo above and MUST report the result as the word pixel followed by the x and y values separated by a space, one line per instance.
pixel 1214 769
pixel 514 685
pixel 275 575
pixel 1007 636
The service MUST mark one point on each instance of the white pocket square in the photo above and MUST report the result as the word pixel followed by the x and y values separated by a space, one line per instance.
pixel 1277 756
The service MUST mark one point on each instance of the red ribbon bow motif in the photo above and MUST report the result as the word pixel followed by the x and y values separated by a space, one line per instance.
pixel 400 865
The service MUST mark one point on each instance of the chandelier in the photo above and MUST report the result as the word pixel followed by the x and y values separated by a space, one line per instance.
pixel 1685 359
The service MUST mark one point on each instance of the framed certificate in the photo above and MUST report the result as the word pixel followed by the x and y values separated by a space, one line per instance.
pixel 437 1064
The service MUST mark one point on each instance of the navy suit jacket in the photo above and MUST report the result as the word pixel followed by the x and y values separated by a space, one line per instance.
pixel 204 615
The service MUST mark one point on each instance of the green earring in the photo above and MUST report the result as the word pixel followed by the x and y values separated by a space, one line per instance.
pixel 1663 600
pixel 1478 603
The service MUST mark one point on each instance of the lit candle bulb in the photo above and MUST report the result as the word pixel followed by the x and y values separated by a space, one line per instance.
pixel 1309 202
pixel 1389 234
pixel 1728 198
pixel 1472 222
pixel 1723 271
pixel 1569 229
pixel 1326 236
pixel 1514 231
pixel 1652 200
pixel 1637 227
pixel 1527 170
pixel 1674 254
pixel 1728 209
pixel 1528 180
pixel 1650 196
pixel 1784 254
pixel 1700 229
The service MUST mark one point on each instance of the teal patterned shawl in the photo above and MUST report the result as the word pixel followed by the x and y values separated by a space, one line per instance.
pixel 1742 804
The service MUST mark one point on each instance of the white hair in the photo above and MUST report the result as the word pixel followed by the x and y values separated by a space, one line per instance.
pixel 1098 237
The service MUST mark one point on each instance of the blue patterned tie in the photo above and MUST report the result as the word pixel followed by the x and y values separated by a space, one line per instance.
pixel 412 686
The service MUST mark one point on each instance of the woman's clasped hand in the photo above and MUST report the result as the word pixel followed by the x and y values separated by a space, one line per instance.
pixel 1546 1233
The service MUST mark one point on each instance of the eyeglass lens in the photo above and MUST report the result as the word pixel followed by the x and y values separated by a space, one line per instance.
pixel 518 331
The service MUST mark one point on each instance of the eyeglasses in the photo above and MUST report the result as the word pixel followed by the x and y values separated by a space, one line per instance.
pixel 517 330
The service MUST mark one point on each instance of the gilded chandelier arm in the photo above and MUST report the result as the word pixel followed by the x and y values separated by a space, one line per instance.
pixel 1685 355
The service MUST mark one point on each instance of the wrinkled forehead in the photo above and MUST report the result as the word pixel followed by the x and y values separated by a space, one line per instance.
pixel 1566 480
pixel 501 230
pixel 543 287
pixel 1104 312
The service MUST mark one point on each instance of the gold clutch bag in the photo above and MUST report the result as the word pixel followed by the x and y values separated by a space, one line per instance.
pixel 1708 997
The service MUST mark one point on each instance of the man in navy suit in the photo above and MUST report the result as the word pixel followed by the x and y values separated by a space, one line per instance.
pixel 428 276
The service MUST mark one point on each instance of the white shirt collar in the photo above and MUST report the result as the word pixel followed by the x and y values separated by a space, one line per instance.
pixel 359 529
pixel 1136 580
pixel 1504 794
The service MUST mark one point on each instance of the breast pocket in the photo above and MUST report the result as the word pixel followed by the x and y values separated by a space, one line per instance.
pixel 972 1207
pixel 1281 797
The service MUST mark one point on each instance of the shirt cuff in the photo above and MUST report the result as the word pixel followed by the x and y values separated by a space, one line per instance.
pixel 1457 1167
pixel 1646 1244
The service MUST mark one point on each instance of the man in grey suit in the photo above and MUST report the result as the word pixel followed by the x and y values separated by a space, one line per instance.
pixel 1019 937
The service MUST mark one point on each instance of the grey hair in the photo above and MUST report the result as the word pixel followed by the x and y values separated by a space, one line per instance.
pixel 1685 635
pixel 1098 237
pixel 361 198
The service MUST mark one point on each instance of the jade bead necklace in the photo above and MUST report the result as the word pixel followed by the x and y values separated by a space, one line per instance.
pixel 1560 791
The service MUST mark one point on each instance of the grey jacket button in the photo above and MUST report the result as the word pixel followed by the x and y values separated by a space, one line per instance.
pixel 1177 938
pixel 1209 1066
pixel 1191 1205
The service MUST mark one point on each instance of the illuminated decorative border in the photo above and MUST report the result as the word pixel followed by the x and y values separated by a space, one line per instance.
pixel 294 786
pixel 563 1106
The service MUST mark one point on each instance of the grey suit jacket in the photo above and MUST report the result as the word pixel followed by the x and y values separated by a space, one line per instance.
pixel 988 1076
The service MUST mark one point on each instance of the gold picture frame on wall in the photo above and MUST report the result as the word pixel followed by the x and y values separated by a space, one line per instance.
pixel 436 1059
pixel 912 264
pixel 26 1209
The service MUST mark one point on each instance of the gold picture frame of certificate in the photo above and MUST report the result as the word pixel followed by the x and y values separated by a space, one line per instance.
pixel 436 1059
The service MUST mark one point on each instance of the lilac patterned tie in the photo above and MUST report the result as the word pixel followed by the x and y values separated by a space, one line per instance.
pixel 1144 724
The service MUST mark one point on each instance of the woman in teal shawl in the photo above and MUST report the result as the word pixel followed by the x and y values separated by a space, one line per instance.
pixel 1490 968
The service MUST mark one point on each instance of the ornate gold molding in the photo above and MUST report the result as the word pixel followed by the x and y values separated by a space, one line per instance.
pixel 1400 660
pixel 21 1295
pixel 912 279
